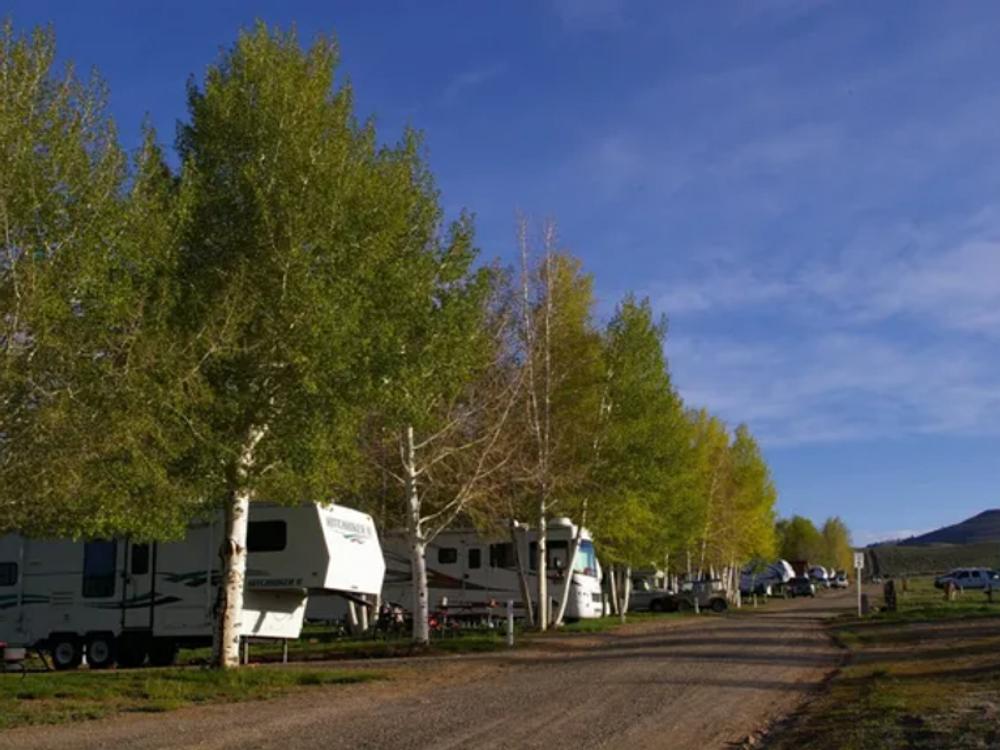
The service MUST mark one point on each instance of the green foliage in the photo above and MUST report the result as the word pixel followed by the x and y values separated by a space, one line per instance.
pixel 311 268
pixel 640 439
pixel 86 436
pixel 558 348
pixel 837 550
pixel 270 320
pixel 799 539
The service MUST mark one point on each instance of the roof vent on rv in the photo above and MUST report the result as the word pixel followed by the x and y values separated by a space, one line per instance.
pixel 562 521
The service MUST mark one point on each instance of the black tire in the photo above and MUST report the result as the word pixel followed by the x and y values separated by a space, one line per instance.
pixel 66 652
pixel 132 652
pixel 162 652
pixel 719 605
pixel 657 606
pixel 100 651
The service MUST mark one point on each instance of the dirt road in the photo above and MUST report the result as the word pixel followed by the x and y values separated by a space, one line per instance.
pixel 694 683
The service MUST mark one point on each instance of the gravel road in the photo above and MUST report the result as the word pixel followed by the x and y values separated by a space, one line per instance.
pixel 705 682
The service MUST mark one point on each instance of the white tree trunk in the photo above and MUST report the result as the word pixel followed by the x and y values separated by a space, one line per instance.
pixel 567 583
pixel 418 564
pixel 234 566
pixel 613 590
pixel 226 638
pixel 522 575
pixel 626 591
pixel 543 572
pixel 418 545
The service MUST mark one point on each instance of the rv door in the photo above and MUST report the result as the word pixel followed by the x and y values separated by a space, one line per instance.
pixel 137 593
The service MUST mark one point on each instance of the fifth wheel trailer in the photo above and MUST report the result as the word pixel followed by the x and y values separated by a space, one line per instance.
pixel 121 601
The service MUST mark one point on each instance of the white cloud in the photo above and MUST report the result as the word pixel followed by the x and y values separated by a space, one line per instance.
pixel 894 274
pixel 472 79
pixel 837 387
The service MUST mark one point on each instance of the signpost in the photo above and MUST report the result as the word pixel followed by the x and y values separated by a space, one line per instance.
pixel 859 565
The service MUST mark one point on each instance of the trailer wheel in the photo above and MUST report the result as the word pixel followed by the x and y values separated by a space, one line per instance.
pixel 657 606
pixel 719 605
pixel 162 652
pixel 100 651
pixel 66 652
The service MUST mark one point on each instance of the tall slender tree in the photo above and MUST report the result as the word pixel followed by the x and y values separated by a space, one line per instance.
pixel 559 349
pixel 439 424
pixel 640 443
pixel 301 233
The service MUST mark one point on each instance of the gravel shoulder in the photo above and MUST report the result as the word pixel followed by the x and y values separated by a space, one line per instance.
pixel 693 683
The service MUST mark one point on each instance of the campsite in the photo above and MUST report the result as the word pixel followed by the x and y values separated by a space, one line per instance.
pixel 535 374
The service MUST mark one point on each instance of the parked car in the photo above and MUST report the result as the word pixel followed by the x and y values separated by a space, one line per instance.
pixel 840 581
pixel 752 583
pixel 969 578
pixel 645 597
pixel 800 586
pixel 709 595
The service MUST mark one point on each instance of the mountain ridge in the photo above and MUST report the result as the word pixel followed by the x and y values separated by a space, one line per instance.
pixel 982 527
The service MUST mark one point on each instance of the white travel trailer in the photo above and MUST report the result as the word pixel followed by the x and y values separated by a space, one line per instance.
pixel 478 574
pixel 120 601
pixel 768 581
pixel 820 575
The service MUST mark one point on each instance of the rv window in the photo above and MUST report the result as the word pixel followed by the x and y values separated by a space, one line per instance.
pixel 533 556
pixel 502 555
pixel 99 560
pixel 556 549
pixel 475 558
pixel 140 559
pixel 8 574
pixel 267 536
pixel 447 555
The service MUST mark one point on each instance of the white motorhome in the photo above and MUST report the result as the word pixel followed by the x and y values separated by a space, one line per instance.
pixel 121 601
pixel 478 574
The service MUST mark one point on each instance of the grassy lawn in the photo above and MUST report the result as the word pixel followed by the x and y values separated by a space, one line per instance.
pixel 927 676
pixel 51 698
pixel 320 646
pixel 611 622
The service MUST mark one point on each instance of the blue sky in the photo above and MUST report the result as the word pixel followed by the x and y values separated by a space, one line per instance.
pixel 808 190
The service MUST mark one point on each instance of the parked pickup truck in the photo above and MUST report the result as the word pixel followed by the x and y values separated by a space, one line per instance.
pixel 970 578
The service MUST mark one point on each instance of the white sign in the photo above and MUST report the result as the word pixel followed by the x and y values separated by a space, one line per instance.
pixel 859 560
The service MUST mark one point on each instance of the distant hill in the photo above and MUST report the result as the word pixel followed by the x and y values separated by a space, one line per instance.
pixel 984 527
pixel 973 542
